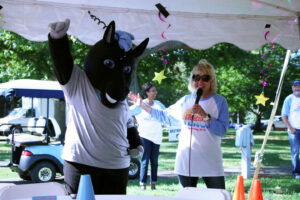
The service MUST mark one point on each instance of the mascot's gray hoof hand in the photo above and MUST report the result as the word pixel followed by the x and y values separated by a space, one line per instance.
pixel 59 29
pixel 136 152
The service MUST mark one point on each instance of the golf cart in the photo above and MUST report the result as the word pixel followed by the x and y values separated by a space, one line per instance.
pixel 37 159
pixel 33 156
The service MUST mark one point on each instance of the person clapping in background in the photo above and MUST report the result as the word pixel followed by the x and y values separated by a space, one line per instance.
pixel 151 134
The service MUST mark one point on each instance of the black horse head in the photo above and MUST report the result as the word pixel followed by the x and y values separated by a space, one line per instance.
pixel 109 67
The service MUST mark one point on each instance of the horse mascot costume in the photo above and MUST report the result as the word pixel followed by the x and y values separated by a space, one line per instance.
pixel 100 135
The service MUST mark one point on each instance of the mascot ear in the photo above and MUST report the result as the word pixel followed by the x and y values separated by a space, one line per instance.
pixel 141 48
pixel 109 33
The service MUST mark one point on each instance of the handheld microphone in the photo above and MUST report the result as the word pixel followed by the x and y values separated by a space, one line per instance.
pixel 199 94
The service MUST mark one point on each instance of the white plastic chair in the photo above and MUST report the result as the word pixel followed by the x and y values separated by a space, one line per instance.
pixel 13 192
pixel 203 193
pixel 40 125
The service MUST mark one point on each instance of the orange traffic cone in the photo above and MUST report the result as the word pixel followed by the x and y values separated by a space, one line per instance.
pixel 239 192
pixel 255 192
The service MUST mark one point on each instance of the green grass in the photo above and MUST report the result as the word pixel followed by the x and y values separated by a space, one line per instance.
pixel 277 153
pixel 277 150
pixel 275 188
pixel 5 151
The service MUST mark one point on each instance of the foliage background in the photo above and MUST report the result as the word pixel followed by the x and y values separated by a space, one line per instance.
pixel 238 71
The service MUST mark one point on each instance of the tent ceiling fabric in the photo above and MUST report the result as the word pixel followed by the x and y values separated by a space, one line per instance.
pixel 198 23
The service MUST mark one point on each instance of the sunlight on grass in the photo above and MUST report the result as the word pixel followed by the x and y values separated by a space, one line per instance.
pixel 6 173
pixel 5 151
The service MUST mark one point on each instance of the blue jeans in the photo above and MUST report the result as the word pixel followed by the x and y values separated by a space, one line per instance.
pixel 295 146
pixel 151 151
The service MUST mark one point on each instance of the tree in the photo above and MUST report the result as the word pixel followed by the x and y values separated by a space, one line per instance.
pixel 238 73
pixel 21 58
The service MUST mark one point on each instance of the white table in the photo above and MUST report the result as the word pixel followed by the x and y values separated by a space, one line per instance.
pixel 122 197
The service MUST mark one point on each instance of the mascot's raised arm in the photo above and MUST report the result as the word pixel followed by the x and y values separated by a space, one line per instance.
pixel 100 135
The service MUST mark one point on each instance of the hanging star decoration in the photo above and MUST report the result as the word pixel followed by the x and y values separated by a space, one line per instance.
pixel 264 72
pixel 162 12
pixel 159 76
pixel 261 99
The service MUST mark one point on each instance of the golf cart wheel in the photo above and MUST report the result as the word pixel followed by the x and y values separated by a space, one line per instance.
pixel 24 176
pixel 16 129
pixel 134 168
pixel 43 172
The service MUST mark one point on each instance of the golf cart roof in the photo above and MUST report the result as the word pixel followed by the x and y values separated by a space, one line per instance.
pixel 31 88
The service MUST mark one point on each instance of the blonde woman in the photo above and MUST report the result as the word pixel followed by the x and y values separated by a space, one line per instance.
pixel 203 124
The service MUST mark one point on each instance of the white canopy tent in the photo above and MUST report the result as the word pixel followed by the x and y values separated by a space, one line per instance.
pixel 198 23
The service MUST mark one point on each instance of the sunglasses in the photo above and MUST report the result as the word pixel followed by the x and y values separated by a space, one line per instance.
pixel 197 77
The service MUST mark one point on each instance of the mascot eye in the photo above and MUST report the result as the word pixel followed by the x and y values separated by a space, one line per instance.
pixel 109 63
pixel 127 69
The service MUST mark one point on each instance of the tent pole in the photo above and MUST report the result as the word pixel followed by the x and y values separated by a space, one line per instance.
pixel 259 155
pixel 47 123
pixel 299 25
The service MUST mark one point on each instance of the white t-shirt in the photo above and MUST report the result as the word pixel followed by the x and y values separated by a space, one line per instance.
pixel 291 108
pixel 204 156
pixel 149 127
pixel 96 135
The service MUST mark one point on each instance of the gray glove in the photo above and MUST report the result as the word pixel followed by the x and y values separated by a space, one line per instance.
pixel 59 29
pixel 135 152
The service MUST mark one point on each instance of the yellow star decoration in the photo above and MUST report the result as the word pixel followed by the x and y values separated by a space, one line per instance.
pixel 261 99
pixel 159 76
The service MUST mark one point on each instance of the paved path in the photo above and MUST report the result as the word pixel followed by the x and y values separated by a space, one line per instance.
pixel 264 171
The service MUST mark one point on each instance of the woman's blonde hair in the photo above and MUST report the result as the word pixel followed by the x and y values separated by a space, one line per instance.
pixel 207 68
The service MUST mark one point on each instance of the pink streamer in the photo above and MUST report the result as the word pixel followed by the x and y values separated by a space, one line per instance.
pixel 264 83
pixel 272 46
pixel 162 35
pixel 159 16
pixel 266 34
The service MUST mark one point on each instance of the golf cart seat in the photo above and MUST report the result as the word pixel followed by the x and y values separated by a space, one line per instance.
pixel 19 139
pixel 39 125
